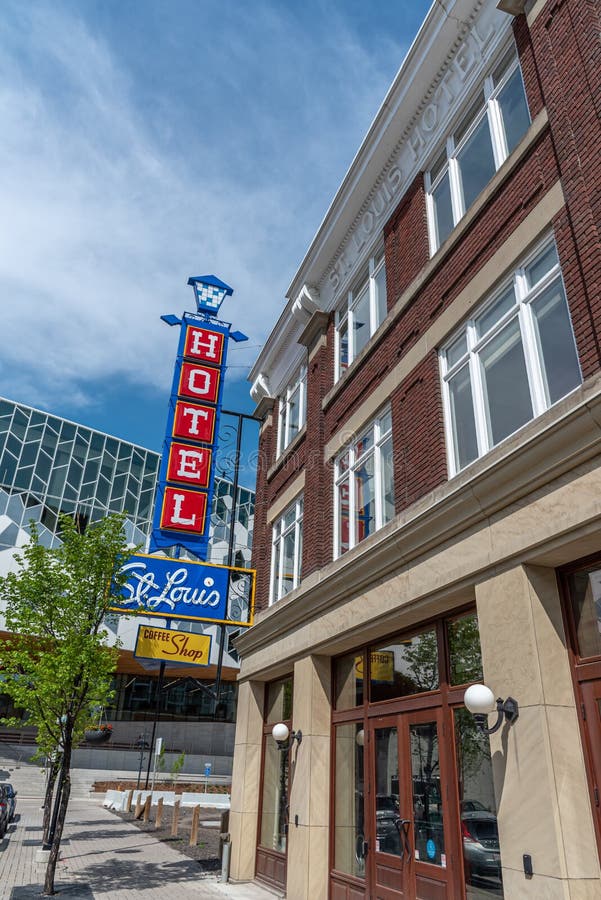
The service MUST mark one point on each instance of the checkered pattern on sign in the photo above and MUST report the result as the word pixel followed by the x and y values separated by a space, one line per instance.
pixel 210 295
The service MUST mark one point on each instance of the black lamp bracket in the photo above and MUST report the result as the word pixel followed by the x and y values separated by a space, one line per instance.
pixel 506 709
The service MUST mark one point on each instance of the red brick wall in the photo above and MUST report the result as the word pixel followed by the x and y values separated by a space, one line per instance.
pixel 406 258
pixel 261 551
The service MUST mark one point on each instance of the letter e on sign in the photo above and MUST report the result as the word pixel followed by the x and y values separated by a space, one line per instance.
pixel 194 421
pixel 190 465
pixel 203 344
pixel 184 510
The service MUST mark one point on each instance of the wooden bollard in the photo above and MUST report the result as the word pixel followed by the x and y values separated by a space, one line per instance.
pixel 159 813
pixel 138 811
pixel 128 802
pixel 175 820
pixel 194 829
pixel 147 808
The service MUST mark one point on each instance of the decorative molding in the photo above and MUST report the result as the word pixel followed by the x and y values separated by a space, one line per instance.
pixel 316 326
pixel 260 389
pixel 306 304
pixel 513 7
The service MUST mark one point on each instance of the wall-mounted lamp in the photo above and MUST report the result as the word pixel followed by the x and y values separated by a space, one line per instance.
pixel 480 700
pixel 284 738
pixel 360 738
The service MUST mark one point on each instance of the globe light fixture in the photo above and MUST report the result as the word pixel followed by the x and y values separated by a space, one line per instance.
pixel 480 701
pixel 283 737
pixel 360 738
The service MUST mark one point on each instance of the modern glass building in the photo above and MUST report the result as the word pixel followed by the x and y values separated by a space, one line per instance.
pixel 49 466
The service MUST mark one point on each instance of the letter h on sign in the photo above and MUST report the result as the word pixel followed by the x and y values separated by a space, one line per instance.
pixel 186 474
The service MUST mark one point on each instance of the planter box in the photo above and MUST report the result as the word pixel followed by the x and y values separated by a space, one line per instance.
pixel 95 736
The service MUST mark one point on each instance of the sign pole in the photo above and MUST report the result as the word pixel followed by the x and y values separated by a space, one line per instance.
pixel 157 713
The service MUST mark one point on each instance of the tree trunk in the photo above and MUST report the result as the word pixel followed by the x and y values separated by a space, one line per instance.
pixel 47 807
pixel 62 812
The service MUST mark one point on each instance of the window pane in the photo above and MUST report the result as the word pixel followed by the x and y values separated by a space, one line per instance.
pixel 456 350
pixel 279 701
pixel 288 569
pixel 408 666
pixel 349 681
pixel 380 288
pixel 361 320
pixel 465 443
pixel 465 656
pixel 386 761
pixel 585 597
pixel 514 110
pixel 343 517
pixel 276 570
pixel 343 347
pixel 438 165
pixel 476 163
pixel 349 821
pixel 537 270
pixel 495 311
pixel 505 383
pixel 365 507
pixel 481 853
pixel 443 209
pixel 469 118
pixel 275 797
pixel 294 414
pixel 364 443
pixel 427 800
pixel 387 466
pixel 556 341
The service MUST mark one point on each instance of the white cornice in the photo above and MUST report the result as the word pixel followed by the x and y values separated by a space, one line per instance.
pixel 374 176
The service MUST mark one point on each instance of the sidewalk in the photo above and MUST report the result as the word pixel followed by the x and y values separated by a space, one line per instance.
pixel 106 858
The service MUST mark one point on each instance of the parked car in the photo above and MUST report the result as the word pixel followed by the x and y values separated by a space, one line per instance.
pixel 4 810
pixel 388 823
pixel 480 834
pixel 12 800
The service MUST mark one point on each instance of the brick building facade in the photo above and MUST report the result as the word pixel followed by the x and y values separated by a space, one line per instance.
pixel 427 511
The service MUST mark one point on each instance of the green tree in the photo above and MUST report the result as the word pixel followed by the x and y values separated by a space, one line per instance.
pixel 58 665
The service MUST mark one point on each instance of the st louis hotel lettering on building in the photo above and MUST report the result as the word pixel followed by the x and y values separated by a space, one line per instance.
pixel 186 476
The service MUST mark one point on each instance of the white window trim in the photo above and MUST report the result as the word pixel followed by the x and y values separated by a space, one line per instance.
pixel 346 313
pixel 284 436
pixel 492 110
pixel 535 370
pixel 380 437
pixel 278 534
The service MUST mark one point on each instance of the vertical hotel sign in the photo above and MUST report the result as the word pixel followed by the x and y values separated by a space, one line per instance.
pixel 186 475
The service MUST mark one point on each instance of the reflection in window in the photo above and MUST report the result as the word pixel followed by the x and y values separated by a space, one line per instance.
pixel 465 655
pixel 408 666
pixel 386 760
pixel 511 361
pixel 478 809
pixel 349 819
pixel 427 800
pixel 292 410
pixel 275 797
pixel 349 681
pixel 477 148
pixel 363 311
pixel 279 701
pixel 585 598
pixel 287 551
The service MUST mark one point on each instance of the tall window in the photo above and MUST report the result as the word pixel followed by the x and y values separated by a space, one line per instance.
pixel 489 130
pixel 287 551
pixel 293 409
pixel 363 312
pixel 364 487
pixel 511 361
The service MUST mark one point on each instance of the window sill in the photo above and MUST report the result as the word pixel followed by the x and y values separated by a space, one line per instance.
pixel 536 128
pixel 284 455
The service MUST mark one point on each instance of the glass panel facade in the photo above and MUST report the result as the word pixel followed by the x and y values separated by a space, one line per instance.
pixel 585 599
pixel 275 797
pixel 408 666
pixel 349 804
pixel 427 800
pixel 478 810
pixel 386 781
pixel 465 655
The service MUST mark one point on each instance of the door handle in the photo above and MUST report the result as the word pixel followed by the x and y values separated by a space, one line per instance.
pixel 403 827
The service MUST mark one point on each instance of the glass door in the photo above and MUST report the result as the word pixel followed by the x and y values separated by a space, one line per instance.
pixel 591 695
pixel 408 808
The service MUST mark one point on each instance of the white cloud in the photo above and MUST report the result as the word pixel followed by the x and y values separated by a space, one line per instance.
pixel 106 210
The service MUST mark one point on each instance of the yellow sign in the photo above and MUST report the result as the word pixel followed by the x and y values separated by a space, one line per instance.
pixel 173 646
pixel 381 665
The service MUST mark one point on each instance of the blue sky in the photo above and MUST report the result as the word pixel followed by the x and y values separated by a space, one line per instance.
pixel 149 140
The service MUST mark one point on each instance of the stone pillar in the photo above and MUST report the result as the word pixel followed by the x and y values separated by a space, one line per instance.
pixel 308 841
pixel 246 776
pixel 538 763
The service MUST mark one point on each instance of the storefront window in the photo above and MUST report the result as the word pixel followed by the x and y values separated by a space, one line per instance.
pixel 585 598
pixel 349 823
pixel 279 701
pixel 275 797
pixel 408 666
pixel 478 809
pixel 465 657
pixel 427 799
pixel 349 681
